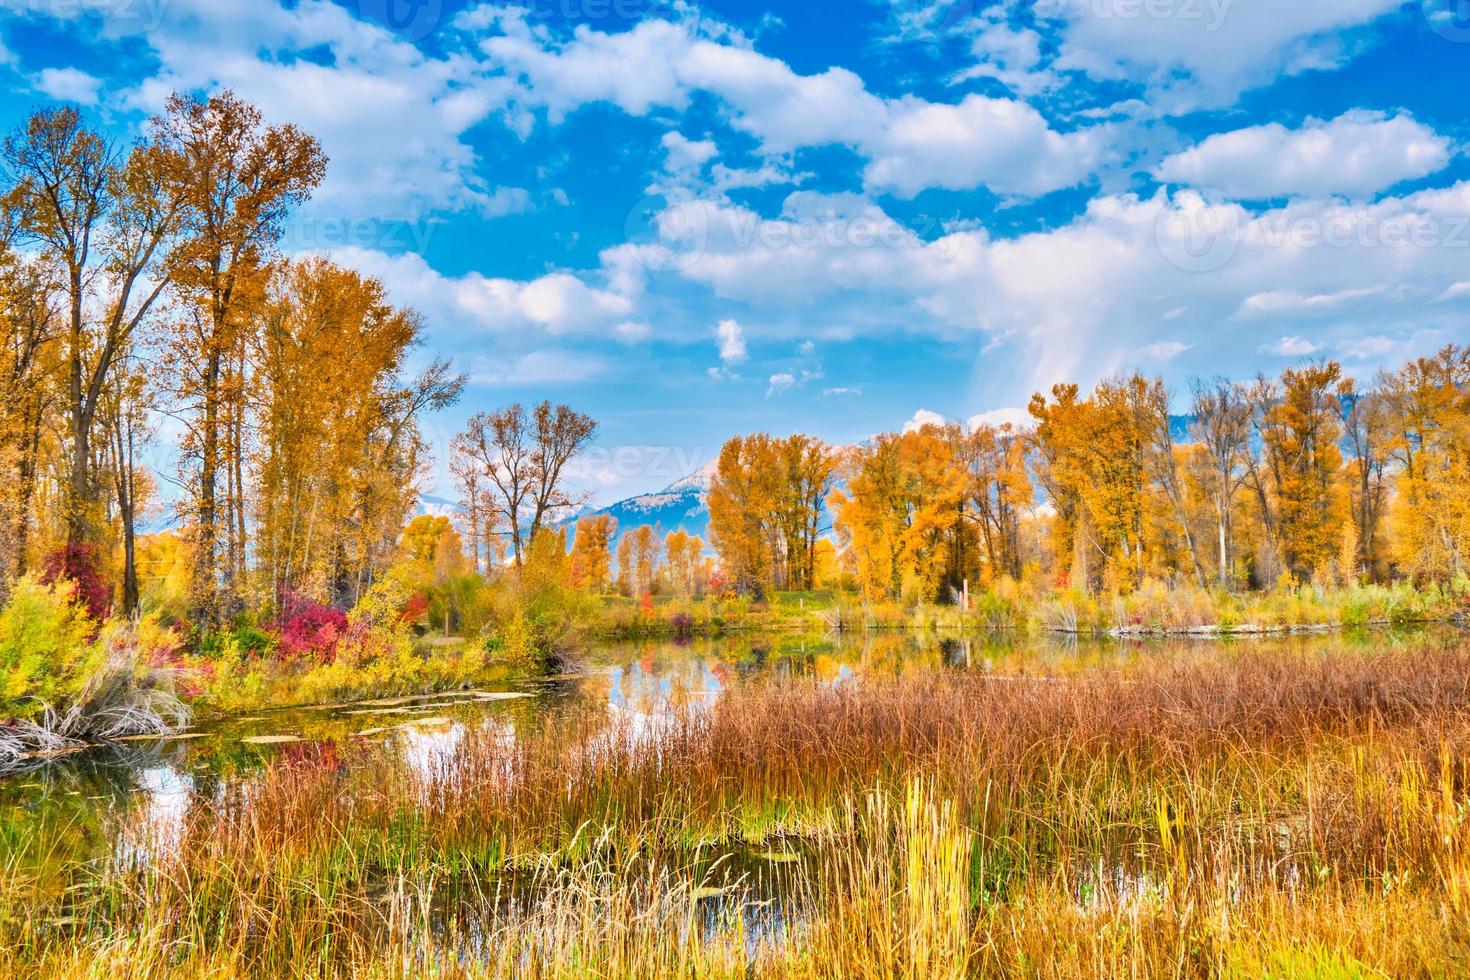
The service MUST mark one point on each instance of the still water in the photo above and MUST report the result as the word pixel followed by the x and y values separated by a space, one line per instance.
pixel 126 803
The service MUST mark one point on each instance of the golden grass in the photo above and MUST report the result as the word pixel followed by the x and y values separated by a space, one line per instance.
pixel 1267 812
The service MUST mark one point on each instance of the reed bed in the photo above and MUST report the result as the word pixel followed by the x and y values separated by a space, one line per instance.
pixel 1265 812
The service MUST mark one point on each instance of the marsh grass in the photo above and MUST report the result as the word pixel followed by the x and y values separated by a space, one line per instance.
pixel 1259 812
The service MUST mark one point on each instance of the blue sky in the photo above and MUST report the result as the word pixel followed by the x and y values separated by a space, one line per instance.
pixel 697 220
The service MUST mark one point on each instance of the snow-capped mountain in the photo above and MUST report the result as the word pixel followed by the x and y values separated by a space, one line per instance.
pixel 682 504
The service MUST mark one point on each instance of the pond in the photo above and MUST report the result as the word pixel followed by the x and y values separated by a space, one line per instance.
pixel 125 805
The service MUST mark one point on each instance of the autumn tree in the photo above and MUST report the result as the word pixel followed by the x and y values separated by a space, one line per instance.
pixel 639 557
pixel 592 552
pixel 1000 491
pixel 236 180
pixel 1299 426
pixel 685 560
pixel 766 509
pixel 1221 426
pixel 105 221
pixel 739 503
pixel 1365 423
pixel 898 511
pixel 29 332
pixel 522 458
pixel 1426 404
pixel 339 450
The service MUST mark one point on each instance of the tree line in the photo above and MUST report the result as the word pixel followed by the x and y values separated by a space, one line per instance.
pixel 1308 476
pixel 143 287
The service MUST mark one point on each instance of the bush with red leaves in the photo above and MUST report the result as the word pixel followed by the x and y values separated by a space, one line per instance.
pixel 78 563
pixel 414 609
pixel 308 629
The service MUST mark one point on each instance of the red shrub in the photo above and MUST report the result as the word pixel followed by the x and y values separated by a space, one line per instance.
pixel 414 609
pixel 78 563
pixel 309 629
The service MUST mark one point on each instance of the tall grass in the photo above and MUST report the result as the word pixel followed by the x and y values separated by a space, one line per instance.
pixel 1252 813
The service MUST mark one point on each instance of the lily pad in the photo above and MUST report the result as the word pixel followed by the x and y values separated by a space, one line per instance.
pixel 780 857
pixel 426 721
pixel 271 739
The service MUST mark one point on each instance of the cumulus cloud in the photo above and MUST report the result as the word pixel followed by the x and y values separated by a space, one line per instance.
pixel 730 337
pixel 558 303
pixel 1357 154
pixel 67 85
pixel 910 143
pixel 922 419
pixel 999 143
pixel 1081 300
pixel 374 82
pixel 1203 54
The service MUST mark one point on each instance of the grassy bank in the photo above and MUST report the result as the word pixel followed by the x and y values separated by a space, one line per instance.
pixel 1234 813
pixel 1154 608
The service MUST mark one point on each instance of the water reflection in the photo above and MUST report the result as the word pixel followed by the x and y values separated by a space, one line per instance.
pixel 130 801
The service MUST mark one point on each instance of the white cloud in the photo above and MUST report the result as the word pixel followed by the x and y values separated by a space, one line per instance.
pixel 842 391
pixel 998 143
pixel 1365 348
pixel 632 331
pixel 555 304
pixel 786 380
pixel 1291 347
pixel 1356 154
pixel 910 143
pixel 1204 54
pixel 1457 290
pixel 1016 418
pixel 1289 301
pixel 1077 302
pixel 1162 351
pixel 731 339
pixel 66 84
pixel 923 418
pixel 780 383
pixel 374 83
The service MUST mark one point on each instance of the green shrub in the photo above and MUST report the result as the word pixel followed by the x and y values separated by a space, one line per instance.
pixel 45 648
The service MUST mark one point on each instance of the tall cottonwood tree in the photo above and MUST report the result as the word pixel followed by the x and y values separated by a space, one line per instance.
pixel 104 222
pixel 522 458
pixel 29 332
pixel 338 453
pixel 766 504
pixel 236 180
